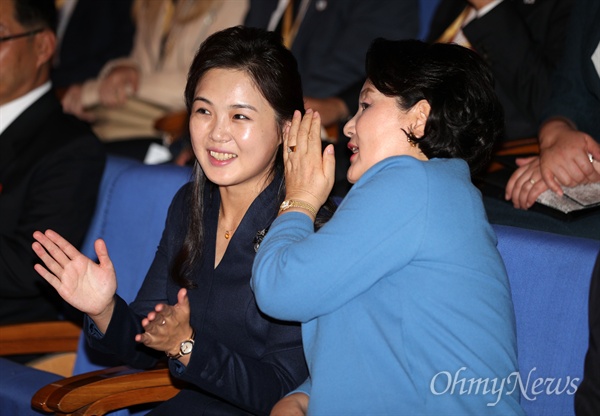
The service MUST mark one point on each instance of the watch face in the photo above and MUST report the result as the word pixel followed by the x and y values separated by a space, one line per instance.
pixel 186 347
pixel 285 204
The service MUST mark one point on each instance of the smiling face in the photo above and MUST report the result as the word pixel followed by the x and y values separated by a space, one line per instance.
pixel 234 130
pixel 375 131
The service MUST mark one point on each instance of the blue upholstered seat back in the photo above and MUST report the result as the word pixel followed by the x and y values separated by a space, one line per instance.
pixel 115 165
pixel 130 214
pixel 131 223
pixel 550 277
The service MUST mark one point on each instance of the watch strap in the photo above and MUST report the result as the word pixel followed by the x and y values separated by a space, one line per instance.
pixel 181 353
pixel 294 203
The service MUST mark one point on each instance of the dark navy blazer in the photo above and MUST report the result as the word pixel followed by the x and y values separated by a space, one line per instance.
pixel 242 361
pixel 51 165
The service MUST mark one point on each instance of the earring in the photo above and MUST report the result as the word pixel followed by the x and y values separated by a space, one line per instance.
pixel 410 137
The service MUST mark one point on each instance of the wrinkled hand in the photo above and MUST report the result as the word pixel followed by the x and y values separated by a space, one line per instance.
pixel 309 173
pixel 564 156
pixel 72 103
pixel 82 283
pixel 167 326
pixel 293 405
pixel 118 85
pixel 526 183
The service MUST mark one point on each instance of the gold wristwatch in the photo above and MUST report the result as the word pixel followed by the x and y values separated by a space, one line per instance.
pixel 184 348
pixel 292 203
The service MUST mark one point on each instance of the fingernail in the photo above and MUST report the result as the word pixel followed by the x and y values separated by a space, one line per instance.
pixel 309 111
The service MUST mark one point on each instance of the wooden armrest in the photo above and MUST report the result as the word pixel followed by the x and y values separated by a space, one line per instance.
pixel 106 390
pixel 173 125
pixel 39 337
pixel 130 398
pixel 520 147
pixel 525 146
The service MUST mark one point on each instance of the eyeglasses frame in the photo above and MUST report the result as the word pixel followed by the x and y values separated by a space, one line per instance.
pixel 21 35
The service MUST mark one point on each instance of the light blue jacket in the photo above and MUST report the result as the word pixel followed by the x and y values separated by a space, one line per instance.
pixel 404 298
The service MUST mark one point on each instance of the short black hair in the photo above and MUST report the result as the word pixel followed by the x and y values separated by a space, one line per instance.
pixel 466 117
pixel 36 13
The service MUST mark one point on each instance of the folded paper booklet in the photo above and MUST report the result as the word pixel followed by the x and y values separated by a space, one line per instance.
pixel 574 199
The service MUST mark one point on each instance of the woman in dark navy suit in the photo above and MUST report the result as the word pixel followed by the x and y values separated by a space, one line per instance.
pixel 196 304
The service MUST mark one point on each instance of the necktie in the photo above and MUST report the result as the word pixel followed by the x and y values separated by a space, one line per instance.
pixel 287 26
pixel 455 27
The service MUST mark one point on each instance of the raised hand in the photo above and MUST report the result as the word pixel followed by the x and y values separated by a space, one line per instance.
pixel 119 84
pixel 84 284
pixel 309 172
pixel 167 326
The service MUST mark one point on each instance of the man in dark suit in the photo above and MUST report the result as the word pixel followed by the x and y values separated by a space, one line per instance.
pixel 522 40
pixel 329 39
pixel 569 135
pixel 93 33
pixel 50 163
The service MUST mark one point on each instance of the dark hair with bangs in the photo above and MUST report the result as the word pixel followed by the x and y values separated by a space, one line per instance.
pixel 466 118
pixel 274 71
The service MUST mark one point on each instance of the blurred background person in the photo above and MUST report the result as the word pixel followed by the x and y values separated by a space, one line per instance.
pixel 569 136
pixel 521 40
pixel 130 94
pixel 329 38
pixel 90 33
pixel 50 163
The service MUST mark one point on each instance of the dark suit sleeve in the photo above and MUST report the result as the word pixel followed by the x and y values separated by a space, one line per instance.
pixel 98 32
pixel 522 65
pixel 340 42
pixel 61 196
pixel 249 383
pixel 576 84
pixel 259 13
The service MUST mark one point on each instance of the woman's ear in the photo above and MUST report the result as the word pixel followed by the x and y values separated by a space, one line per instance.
pixel 420 112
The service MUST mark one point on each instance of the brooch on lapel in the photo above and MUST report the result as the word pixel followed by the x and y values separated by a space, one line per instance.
pixel 258 238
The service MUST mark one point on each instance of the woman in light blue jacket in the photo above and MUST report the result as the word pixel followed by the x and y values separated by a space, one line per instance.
pixel 403 297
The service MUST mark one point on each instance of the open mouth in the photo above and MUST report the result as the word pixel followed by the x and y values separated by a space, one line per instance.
pixel 353 148
pixel 222 156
